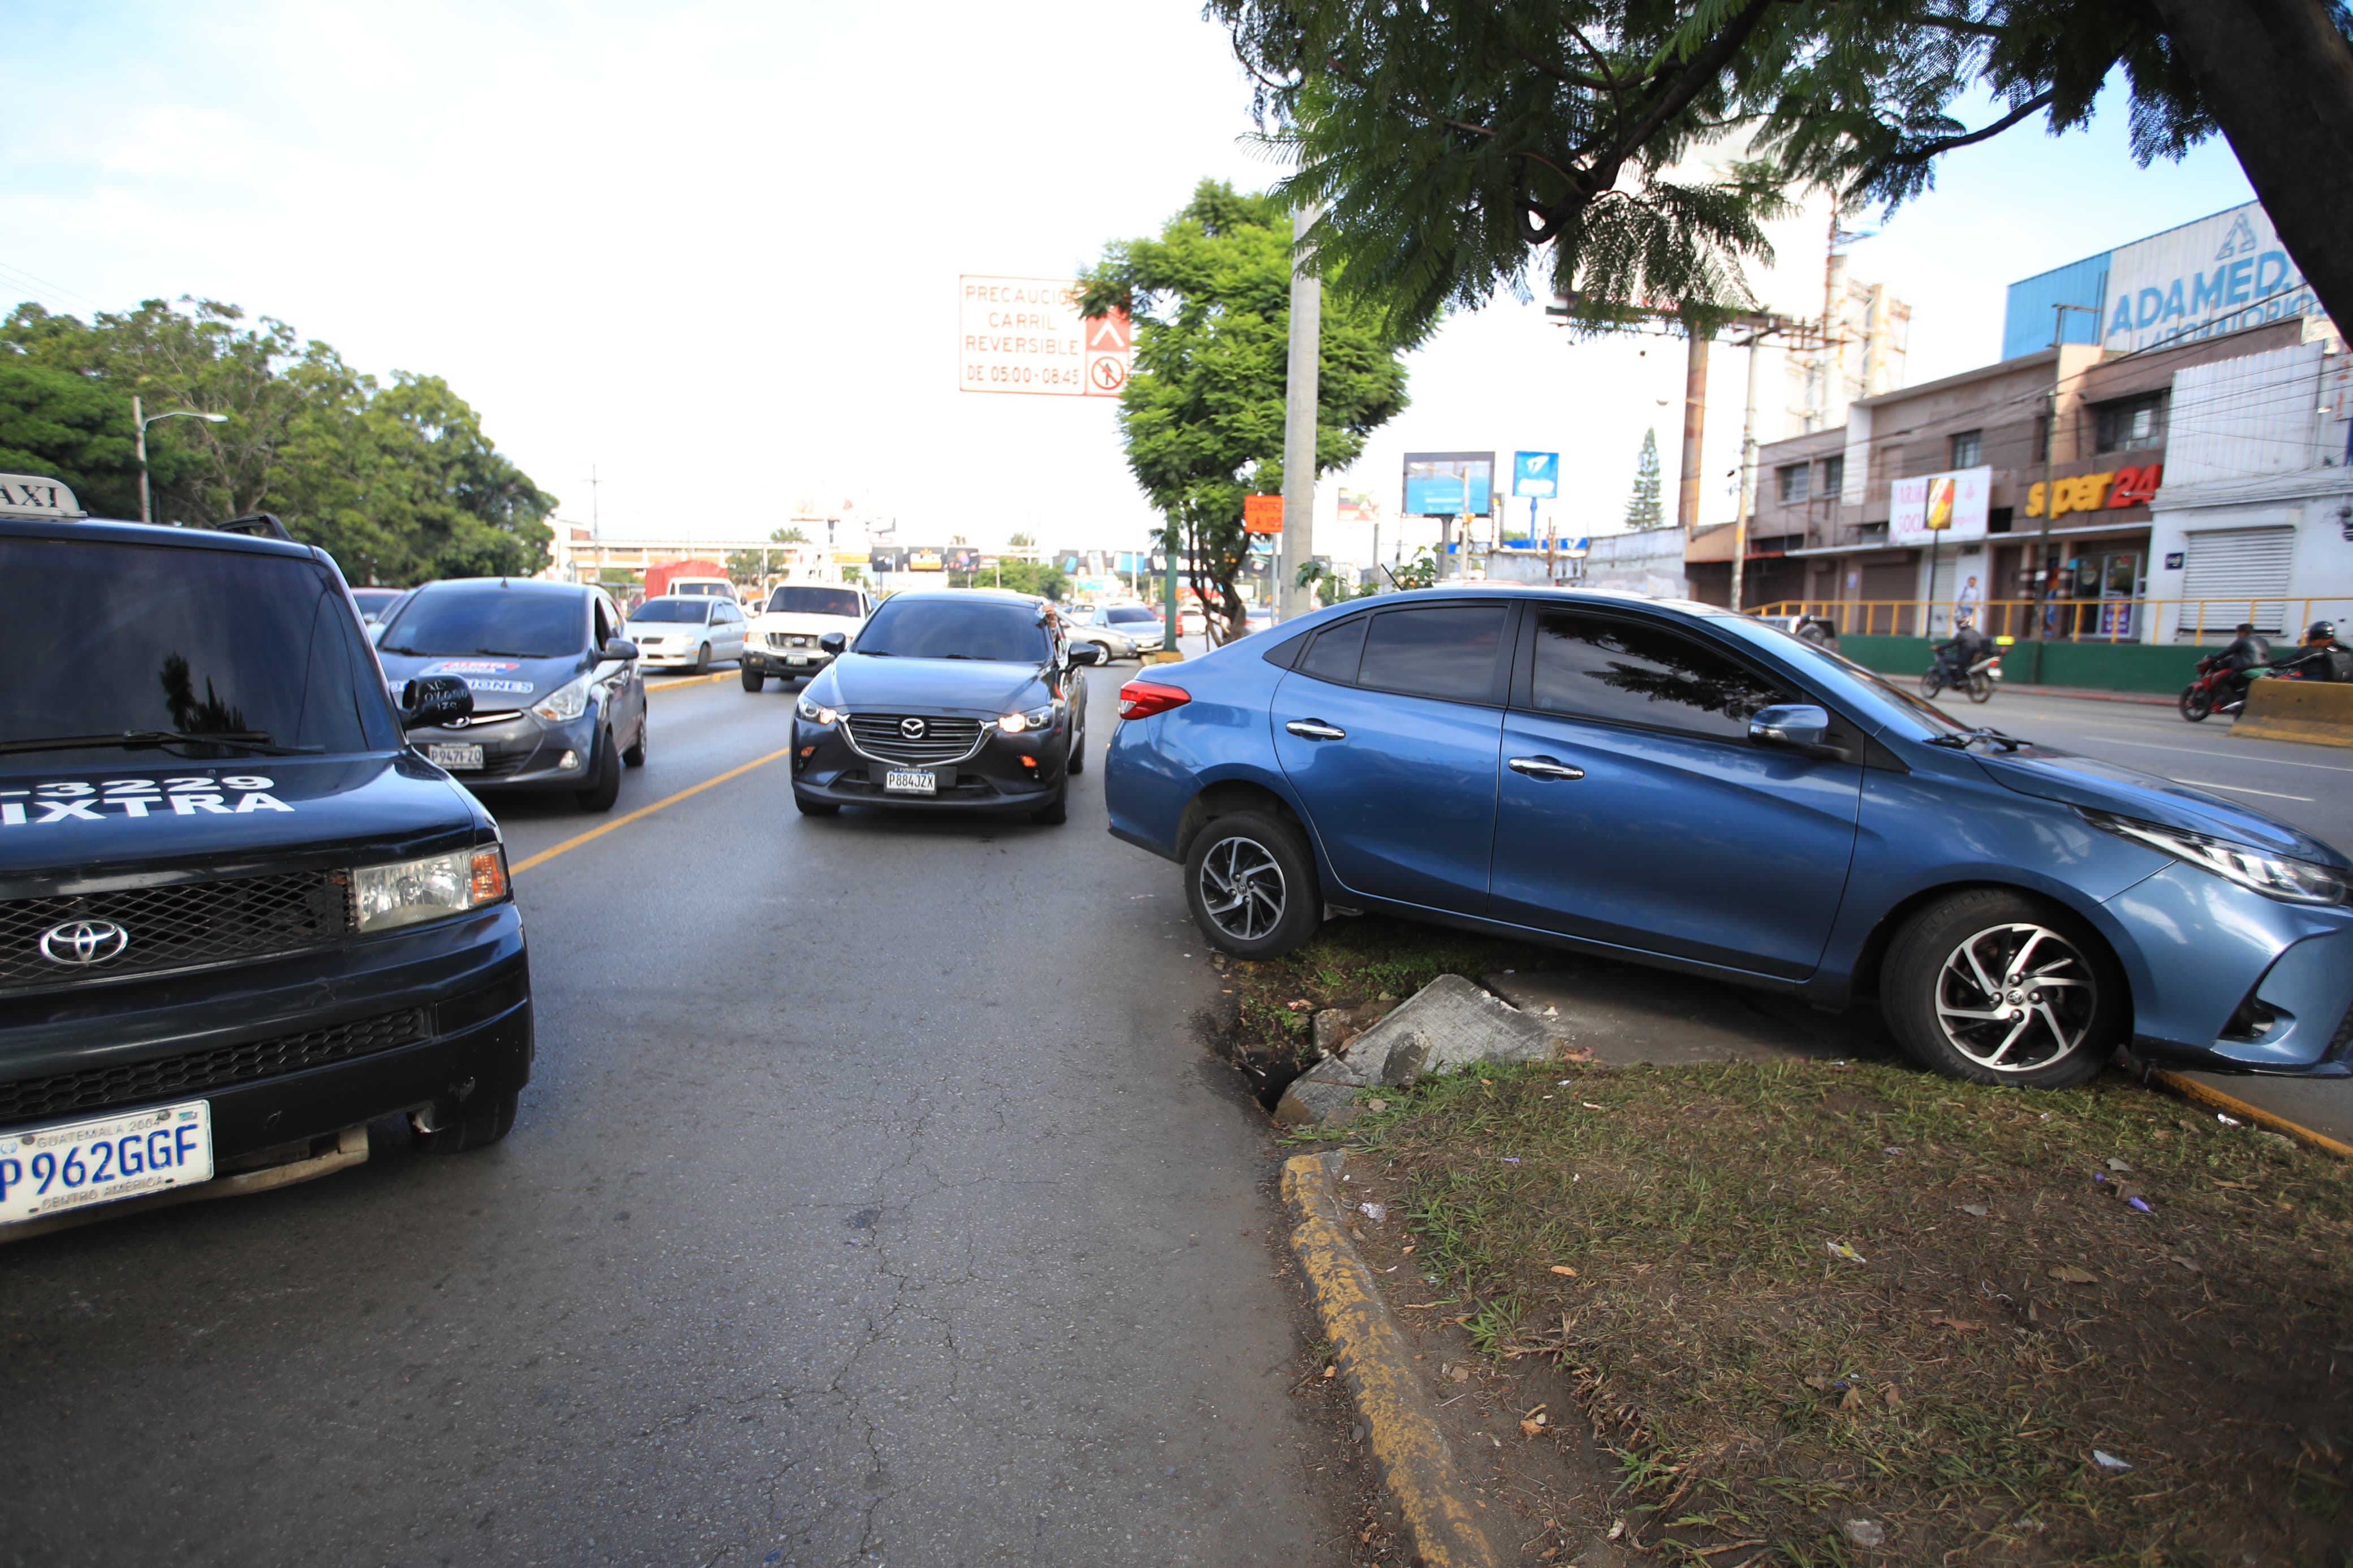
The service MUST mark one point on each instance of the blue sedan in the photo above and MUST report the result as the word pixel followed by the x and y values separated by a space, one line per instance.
pixel 1677 786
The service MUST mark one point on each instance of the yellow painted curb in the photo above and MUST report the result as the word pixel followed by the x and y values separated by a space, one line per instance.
pixel 2317 712
pixel 652 688
pixel 1372 1355
pixel 2215 1099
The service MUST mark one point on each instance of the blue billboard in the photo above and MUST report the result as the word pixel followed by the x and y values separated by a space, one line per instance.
pixel 1448 484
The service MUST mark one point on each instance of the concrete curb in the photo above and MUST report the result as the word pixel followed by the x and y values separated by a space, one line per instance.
pixel 1371 1354
pixel 2213 1098
pixel 656 687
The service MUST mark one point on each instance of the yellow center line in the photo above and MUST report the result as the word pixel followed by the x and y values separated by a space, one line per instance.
pixel 544 855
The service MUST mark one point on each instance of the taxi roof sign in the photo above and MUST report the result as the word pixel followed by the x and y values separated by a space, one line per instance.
pixel 31 495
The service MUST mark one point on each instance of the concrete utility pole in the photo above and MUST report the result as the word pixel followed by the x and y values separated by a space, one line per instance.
pixel 1694 427
pixel 1298 537
pixel 1747 474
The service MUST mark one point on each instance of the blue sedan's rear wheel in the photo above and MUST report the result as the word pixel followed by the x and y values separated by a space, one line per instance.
pixel 1251 882
pixel 1994 986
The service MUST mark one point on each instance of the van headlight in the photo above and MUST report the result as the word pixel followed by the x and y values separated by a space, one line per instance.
pixel 565 704
pixel 407 891
pixel 2281 877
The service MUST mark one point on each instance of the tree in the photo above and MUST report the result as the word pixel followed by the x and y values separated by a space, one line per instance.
pixel 1453 143
pixel 748 565
pixel 1642 506
pixel 399 483
pixel 1014 577
pixel 1202 416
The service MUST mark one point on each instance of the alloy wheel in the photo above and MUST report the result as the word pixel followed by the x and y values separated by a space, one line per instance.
pixel 2015 997
pixel 1242 888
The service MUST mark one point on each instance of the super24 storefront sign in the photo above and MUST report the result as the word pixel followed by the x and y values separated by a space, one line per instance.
pixel 79 800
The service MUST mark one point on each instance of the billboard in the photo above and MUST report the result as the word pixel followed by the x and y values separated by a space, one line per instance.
pixel 1447 484
pixel 1025 335
pixel 924 558
pixel 885 560
pixel 1945 508
pixel 2217 275
pixel 1358 506
pixel 1535 474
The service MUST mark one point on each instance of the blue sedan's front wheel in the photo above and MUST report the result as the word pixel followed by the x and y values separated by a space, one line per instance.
pixel 1251 882
pixel 1995 987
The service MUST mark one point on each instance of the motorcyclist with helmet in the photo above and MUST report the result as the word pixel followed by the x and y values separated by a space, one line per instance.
pixel 1967 645
pixel 2320 658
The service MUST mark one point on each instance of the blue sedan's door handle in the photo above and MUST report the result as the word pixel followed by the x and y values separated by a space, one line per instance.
pixel 1315 730
pixel 1545 768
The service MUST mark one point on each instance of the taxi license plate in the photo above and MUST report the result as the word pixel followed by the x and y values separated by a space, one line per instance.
pixel 454 756
pixel 47 1170
pixel 911 780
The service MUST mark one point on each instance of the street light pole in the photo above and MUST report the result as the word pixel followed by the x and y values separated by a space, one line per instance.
pixel 140 418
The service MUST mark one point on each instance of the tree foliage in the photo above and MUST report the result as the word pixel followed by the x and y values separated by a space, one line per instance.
pixel 398 482
pixel 1454 143
pixel 1643 510
pixel 1202 416
pixel 749 565
pixel 1014 577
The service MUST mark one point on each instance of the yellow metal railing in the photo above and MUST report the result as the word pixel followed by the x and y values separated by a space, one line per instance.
pixel 2069 620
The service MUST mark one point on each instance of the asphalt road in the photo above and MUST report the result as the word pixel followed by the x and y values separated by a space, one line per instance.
pixel 873 1202
pixel 2308 786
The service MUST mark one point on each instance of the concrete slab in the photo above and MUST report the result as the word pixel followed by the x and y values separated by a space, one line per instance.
pixel 1624 1013
pixel 1449 1023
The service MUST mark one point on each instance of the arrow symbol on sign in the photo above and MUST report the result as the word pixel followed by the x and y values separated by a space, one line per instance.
pixel 1108 334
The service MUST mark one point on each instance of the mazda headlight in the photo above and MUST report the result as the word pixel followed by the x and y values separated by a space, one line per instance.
pixel 1036 719
pixel 566 703
pixel 407 891
pixel 816 713
pixel 2280 877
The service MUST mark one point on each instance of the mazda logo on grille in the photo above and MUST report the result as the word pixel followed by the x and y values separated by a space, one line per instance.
pixel 912 728
pixel 80 943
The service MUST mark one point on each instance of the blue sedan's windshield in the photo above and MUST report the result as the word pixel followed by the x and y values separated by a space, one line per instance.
pixel 989 630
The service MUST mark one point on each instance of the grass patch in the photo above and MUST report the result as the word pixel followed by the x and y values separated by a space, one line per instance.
pixel 2009 1310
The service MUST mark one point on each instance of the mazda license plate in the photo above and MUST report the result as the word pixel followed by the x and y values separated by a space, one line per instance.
pixel 911 780
pixel 454 756
pixel 47 1170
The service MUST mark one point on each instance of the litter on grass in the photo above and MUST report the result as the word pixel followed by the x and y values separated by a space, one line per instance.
pixel 1374 1212
pixel 1977 1209
pixel 2140 1204
pixel 2108 1461
pixel 2227 1121
pixel 1841 1249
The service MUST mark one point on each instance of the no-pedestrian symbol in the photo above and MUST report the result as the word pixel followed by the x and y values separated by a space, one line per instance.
pixel 1106 374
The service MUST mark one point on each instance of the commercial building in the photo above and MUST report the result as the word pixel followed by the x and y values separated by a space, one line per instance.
pixel 2173 459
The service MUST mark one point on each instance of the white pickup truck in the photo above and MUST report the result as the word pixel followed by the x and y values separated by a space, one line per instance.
pixel 782 639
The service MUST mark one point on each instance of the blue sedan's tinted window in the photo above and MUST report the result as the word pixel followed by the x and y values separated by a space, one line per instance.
pixel 1446 651
pixel 1626 672
pixel 1336 652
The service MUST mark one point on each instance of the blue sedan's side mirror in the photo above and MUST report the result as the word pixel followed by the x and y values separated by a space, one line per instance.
pixel 1798 725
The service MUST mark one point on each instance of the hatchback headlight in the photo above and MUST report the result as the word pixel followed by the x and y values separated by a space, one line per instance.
pixel 816 712
pixel 1036 719
pixel 565 703
pixel 2280 877
pixel 407 891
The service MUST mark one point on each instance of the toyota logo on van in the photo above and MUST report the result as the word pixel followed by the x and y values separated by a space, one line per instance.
pixel 78 944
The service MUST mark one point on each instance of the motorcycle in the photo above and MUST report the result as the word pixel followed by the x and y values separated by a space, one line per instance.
pixel 2218 689
pixel 1977 682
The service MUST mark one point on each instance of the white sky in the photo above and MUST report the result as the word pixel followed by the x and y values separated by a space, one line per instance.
pixel 711 250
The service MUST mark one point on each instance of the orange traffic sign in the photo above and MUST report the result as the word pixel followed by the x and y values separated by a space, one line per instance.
pixel 1262 514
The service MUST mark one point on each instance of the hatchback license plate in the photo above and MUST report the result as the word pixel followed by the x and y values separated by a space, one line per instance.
pixel 454 756
pixel 911 780
pixel 47 1170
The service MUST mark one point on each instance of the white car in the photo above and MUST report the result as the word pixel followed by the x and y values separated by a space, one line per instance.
pixel 686 631
pixel 787 638
pixel 1122 631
